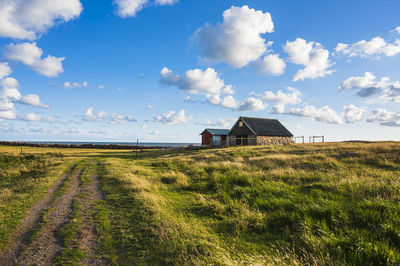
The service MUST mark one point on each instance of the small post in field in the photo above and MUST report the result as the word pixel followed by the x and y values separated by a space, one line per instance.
pixel 137 147
pixel 21 149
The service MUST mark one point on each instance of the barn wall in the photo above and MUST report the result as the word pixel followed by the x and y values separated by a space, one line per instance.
pixel 265 140
pixel 238 131
pixel 223 137
pixel 251 140
pixel 206 138
pixel 262 140
pixel 231 141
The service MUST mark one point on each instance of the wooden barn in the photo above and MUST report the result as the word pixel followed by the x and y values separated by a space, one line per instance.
pixel 258 131
pixel 214 137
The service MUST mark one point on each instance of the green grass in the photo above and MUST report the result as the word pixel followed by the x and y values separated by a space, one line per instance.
pixel 24 179
pixel 323 204
pixel 332 203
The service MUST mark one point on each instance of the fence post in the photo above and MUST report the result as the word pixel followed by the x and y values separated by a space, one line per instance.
pixel 137 147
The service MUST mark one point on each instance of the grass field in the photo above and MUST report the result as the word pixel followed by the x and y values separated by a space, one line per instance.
pixel 332 203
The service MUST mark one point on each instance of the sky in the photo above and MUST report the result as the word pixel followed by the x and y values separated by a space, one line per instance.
pixel 163 70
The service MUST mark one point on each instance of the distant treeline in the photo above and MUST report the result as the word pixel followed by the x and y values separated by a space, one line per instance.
pixel 86 145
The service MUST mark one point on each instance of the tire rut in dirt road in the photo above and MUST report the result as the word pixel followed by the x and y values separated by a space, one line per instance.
pixel 45 246
pixel 87 237
pixel 82 234
pixel 17 240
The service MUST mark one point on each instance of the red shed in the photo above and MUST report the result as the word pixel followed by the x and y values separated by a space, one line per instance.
pixel 214 137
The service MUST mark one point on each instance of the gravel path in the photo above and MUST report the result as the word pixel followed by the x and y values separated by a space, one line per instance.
pixel 45 246
pixel 22 233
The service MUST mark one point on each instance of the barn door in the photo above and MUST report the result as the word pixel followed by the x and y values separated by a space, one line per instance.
pixel 245 137
pixel 217 140
pixel 241 140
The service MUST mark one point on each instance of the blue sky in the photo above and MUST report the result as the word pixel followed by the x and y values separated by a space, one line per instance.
pixel 163 70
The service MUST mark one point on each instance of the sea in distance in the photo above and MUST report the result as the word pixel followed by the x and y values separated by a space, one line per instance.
pixel 146 144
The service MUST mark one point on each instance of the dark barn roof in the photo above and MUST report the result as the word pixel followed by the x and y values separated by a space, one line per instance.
pixel 216 132
pixel 266 127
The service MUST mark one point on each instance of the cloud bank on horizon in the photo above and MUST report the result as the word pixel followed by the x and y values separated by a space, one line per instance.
pixel 238 62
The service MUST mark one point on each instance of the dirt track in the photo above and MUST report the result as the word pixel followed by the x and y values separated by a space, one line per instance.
pixel 36 240
pixel 87 233
pixel 21 235
pixel 44 247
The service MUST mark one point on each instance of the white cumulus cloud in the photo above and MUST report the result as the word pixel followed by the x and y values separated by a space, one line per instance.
pixel 384 117
pixel 9 83
pixel 271 64
pixel 121 119
pixel 70 85
pixel 32 117
pixel 28 19
pixel 9 114
pixel 213 98
pixel 129 8
pixel 90 116
pixel 312 56
pixel 31 55
pixel 33 99
pixel 324 114
pixel 6 104
pixel 368 85
pixel 375 47
pixel 172 117
pixel 9 95
pixel 237 40
pixel 281 99
pixel 227 122
pixel 12 94
pixel 10 89
pixel 229 102
pixel 196 81
pixel 166 2
pixel 220 122
pixel 392 92
pixel 5 70
pixel 352 113
pixel 252 104
pixel 188 99
pixel 249 104
pixel 359 82
pixel 199 82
